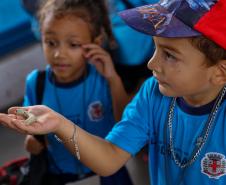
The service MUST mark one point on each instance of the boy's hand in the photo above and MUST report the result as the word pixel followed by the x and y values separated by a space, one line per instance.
pixel 47 120
pixel 101 60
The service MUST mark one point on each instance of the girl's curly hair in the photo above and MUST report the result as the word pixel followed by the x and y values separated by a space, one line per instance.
pixel 93 11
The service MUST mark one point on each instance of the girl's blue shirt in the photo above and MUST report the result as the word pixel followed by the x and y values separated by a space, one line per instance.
pixel 86 102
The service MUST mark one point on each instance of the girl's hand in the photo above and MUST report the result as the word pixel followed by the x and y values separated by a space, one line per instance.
pixel 100 59
pixel 32 145
pixel 47 120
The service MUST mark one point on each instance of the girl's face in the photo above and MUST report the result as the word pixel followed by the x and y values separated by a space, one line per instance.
pixel 181 70
pixel 62 38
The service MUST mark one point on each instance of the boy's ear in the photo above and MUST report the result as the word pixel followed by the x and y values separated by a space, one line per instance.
pixel 220 75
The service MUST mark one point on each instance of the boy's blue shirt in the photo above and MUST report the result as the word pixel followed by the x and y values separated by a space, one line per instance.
pixel 87 99
pixel 144 123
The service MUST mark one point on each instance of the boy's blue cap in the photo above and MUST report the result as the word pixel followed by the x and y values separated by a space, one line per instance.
pixel 180 18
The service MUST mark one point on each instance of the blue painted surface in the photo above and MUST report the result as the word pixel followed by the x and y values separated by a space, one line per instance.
pixel 15 29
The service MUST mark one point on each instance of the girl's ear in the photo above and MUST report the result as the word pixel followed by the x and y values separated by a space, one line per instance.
pixel 220 75
pixel 99 40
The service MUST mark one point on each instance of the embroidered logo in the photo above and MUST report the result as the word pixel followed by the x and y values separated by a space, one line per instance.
pixel 150 13
pixel 214 165
pixel 96 111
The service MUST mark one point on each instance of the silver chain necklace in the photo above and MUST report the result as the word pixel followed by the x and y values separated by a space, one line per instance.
pixel 205 133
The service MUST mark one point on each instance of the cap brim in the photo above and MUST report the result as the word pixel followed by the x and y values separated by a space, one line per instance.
pixel 170 27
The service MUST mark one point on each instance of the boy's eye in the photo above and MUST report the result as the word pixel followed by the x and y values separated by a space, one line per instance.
pixel 169 57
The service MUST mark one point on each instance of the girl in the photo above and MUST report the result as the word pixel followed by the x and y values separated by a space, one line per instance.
pixel 80 82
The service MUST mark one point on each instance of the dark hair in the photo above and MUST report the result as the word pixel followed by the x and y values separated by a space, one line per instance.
pixel 93 11
pixel 211 50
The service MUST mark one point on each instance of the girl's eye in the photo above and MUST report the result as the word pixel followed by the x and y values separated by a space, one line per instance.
pixel 75 45
pixel 51 43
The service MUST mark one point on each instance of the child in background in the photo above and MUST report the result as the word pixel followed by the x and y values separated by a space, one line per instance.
pixel 180 112
pixel 132 70
pixel 80 83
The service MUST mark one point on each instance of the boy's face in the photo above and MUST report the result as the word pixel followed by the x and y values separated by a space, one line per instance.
pixel 180 68
pixel 62 38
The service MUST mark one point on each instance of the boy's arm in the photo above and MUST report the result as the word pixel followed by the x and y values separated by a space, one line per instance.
pixel 98 154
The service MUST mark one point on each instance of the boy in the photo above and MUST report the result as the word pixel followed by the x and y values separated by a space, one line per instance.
pixel 180 112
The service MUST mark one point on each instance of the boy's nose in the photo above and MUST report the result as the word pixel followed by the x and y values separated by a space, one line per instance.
pixel 153 63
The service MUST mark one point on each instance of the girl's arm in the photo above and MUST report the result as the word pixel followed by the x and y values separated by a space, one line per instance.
pixel 104 65
pixel 120 98
pixel 98 154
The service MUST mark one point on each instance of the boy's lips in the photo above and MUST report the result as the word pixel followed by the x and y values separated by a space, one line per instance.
pixel 160 81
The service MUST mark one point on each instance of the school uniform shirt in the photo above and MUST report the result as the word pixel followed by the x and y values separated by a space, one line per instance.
pixel 86 102
pixel 145 121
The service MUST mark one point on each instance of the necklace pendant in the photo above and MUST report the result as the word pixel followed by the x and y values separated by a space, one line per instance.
pixel 199 141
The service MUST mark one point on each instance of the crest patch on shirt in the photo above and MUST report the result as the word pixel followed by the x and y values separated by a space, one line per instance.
pixel 96 111
pixel 213 165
